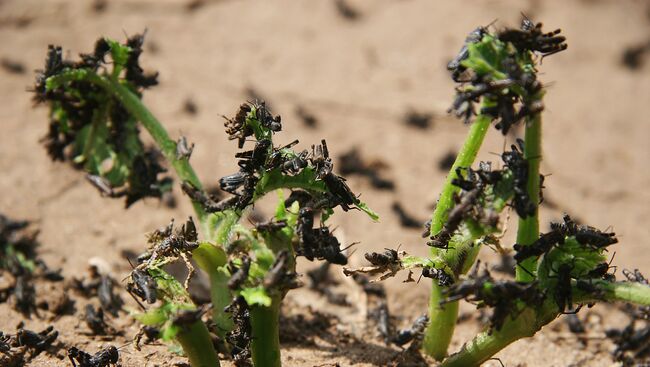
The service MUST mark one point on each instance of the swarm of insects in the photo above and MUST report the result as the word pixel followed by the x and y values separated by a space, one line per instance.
pixel 90 127
pixel 508 99
pixel 95 116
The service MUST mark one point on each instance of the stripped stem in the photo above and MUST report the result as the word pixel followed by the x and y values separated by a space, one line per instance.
pixel 197 344
pixel 529 321
pixel 442 321
pixel 182 167
pixel 265 345
pixel 211 259
pixel 528 228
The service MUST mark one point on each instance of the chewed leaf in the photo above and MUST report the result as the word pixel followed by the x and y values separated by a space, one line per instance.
pixel 486 56
pixel 371 213
pixel 256 296
pixel 411 261
pixel 171 289
pixel 275 179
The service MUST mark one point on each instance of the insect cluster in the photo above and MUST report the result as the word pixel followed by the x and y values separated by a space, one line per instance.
pixel 569 260
pixel 95 115
pixel 20 268
pixel 508 81
pixel 259 262
pixel 91 129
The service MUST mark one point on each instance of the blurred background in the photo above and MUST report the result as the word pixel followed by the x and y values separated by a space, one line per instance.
pixel 368 76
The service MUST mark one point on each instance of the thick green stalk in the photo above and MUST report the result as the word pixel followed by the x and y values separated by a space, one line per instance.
pixel 197 345
pixel 442 321
pixel 528 229
pixel 486 345
pixel 265 346
pixel 631 292
pixel 211 259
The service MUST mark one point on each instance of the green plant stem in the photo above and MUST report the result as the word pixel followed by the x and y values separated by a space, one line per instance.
pixel 182 167
pixel 99 114
pixel 265 346
pixel 528 228
pixel 211 259
pixel 529 321
pixel 486 345
pixel 197 344
pixel 465 158
pixel 631 292
pixel 442 321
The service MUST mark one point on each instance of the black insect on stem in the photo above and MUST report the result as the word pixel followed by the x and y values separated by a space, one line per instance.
pixel 240 337
pixel 464 204
pixel 542 245
pixel 209 203
pixel 236 128
pixel 444 279
pixel 280 276
pixel 594 238
pixel 503 296
pixel 386 258
pixel 455 66
pixel 531 38
pixel 239 274
pixel 97 57
pixel 232 183
pixel 514 160
pixel 317 242
pixel 271 225
pixel 563 292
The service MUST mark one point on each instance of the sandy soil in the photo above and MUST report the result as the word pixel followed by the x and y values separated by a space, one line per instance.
pixel 358 77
